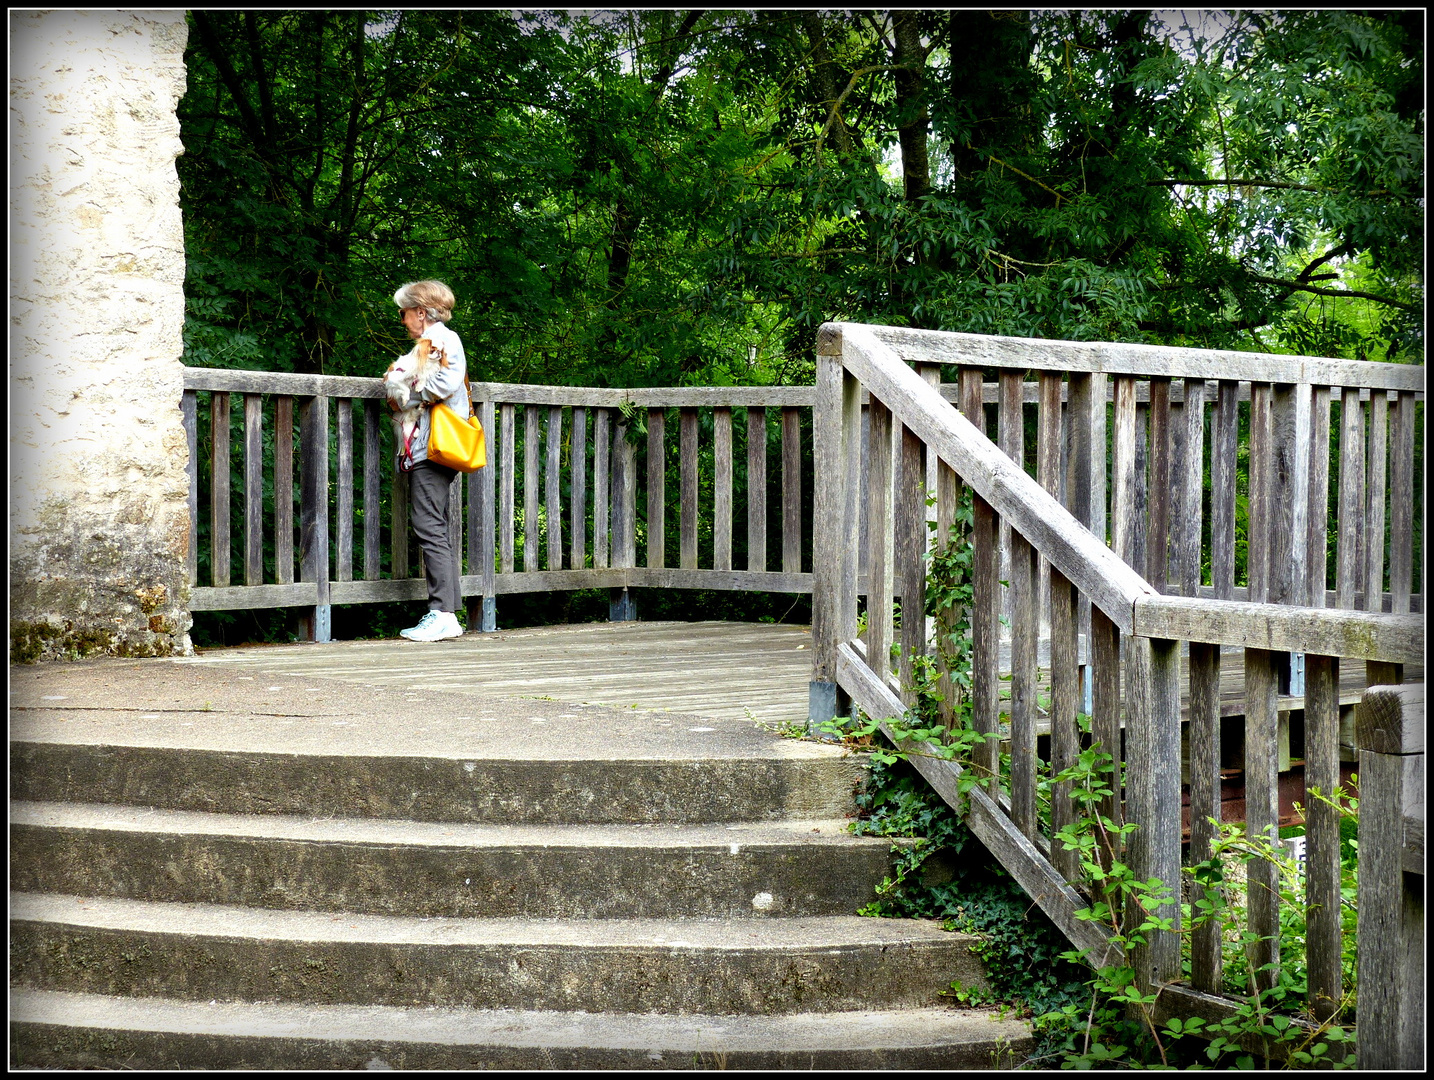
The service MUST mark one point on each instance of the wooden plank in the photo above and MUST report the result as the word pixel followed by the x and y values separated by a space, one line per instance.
pixel 722 488
pixel 1065 703
pixel 250 597
pixel 985 640
pixel 652 397
pixel 189 418
pixel 947 495
pixel 578 558
pixel 532 456
pixel 1288 484
pixel 314 495
pixel 1010 436
pixel 284 490
pixel 486 525
pixel 1191 484
pixel 507 509
pixel 879 540
pixel 828 529
pixel 254 489
pixel 1025 614
pixel 344 492
pixel 1104 646
pixel 1262 812
pixel 554 581
pixel 1122 507
pixel 656 488
pixel 1351 499
pixel 1317 515
pixel 792 490
pixel 1390 720
pixel 372 479
pixel 1374 511
pixel 624 498
pixel 756 488
pixel 219 549
pixel 1160 462
pixel 1261 499
pixel 1048 469
pixel 553 477
pixel 379 592
pixel 1224 445
pixel 602 420
pixel 687 418
pixel 1401 503
pixel 1322 899
pixel 233 380
pixel 1206 971
pixel 909 543
pixel 720 580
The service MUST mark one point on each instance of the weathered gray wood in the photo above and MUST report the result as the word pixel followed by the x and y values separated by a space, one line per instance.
pixel 486 524
pixel 1048 469
pixel 602 419
pixel 879 540
pixel 909 577
pixel 553 439
pixel 1175 1000
pixel 1122 506
pixel 947 494
pixel 688 439
pixel 250 597
pixel 379 592
pixel 1104 645
pixel 1259 535
pixel 756 488
pixel 656 487
pixel 1025 629
pixel 254 488
pixel 1160 462
pixel 1191 485
pixel 398 524
pixel 507 508
pixel 314 499
pixel 1374 511
pixel 344 493
pixel 1010 436
pixel 219 539
pixel 1351 499
pixel 1317 515
pixel 1283 628
pixel 532 456
pixel 720 580
pixel 577 558
pixel 624 498
pixel 1065 703
pixel 1204 771
pixel 1262 811
pixel 945 347
pixel 1289 483
pixel 1095 570
pixel 655 397
pixel 1153 794
pixel 722 488
pixel 189 418
pixel 1390 720
pixel 284 490
pixel 985 639
pixel 829 531
pixel 1401 502
pixel 1322 899
pixel 372 480
pixel 455 522
pixel 1225 428
pixel 237 381
pixel 792 490
pixel 555 581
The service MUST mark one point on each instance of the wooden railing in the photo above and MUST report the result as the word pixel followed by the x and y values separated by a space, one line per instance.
pixel 556 508
pixel 1086 624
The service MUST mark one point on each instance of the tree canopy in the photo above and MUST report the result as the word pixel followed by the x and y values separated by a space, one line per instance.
pixel 668 196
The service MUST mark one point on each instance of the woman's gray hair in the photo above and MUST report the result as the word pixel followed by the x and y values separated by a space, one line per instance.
pixel 434 297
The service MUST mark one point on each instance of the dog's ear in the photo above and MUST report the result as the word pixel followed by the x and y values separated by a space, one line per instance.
pixel 428 351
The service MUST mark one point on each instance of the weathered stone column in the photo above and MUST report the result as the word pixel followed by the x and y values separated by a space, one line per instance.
pixel 98 492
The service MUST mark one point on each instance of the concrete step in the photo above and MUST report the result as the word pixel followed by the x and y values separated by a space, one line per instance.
pixel 755 967
pixel 771 780
pixel 65 1030
pixel 383 867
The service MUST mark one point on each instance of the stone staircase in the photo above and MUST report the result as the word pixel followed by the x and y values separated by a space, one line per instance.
pixel 224 867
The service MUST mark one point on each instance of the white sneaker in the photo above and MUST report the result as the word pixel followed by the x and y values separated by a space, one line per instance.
pixel 435 626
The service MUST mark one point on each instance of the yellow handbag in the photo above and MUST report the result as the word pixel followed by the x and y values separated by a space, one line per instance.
pixel 459 444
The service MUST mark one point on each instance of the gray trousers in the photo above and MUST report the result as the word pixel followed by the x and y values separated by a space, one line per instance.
pixel 428 486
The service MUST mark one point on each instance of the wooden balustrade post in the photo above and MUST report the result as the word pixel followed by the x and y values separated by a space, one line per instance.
pixel 507 464
pixel 532 456
pixel 622 605
pixel 836 437
pixel 656 488
pixel 1322 898
pixel 254 489
pixel 189 416
pixel 553 486
pixel 1205 815
pixel 219 541
pixel 1389 730
pixel 879 581
pixel 484 527
pixel 756 488
pixel 314 513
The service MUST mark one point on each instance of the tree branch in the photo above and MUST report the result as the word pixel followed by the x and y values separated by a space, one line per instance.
pixel 1299 286
pixel 1239 182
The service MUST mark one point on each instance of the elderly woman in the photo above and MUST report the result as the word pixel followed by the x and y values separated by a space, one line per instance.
pixel 426 307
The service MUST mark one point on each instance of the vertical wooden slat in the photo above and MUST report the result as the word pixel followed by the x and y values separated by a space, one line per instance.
pixel 314 506
pixel 578 558
pixel 836 435
pixel 254 489
pixel 602 421
pixel 1065 703
pixel 947 494
pixel 1374 517
pixel 284 490
pixel 1401 503
pixel 532 456
pixel 1204 771
pixel 1160 489
pixel 486 526
pixel 398 523
pixel 1288 484
pixel 1048 467
pixel 756 488
pixel 624 499
pixel 909 534
pixel 687 437
pixel 1191 484
pixel 554 480
pixel 1224 443
pixel 722 488
pixel 791 491
pixel 985 605
pixel 219 549
pixel 1024 631
pixel 1010 436
pixel 656 488
pixel 1086 416
pixel 1104 646
pixel 1322 899
pixel 372 522
pixel 879 553
pixel 507 511
pixel 1262 809
pixel 1317 514
pixel 344 492
pixel 1351 497
pixel 189 417
pixel 1122 510
pixel 1259 532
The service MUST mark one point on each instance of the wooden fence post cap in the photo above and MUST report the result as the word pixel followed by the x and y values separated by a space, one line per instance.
pixel 1390 720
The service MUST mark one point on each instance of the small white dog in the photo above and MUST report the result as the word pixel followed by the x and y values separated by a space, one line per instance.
pixel 409 376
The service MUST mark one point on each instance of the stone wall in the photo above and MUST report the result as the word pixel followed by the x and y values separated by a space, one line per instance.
pixel 99 518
